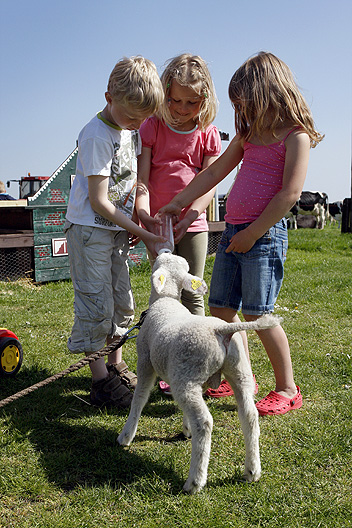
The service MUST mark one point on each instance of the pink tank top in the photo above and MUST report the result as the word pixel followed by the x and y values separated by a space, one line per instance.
pixel 257 182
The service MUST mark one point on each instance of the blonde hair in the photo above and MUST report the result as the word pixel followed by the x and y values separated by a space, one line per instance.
pixel 264 95
pixel 191 71
pixel 135 84
pixel 2 187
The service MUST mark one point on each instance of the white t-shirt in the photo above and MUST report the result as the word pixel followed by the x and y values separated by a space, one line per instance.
pixel 104 150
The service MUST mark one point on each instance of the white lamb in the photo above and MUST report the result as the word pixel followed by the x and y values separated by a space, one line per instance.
pixel 190 352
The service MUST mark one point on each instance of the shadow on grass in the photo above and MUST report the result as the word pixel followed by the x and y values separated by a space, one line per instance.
pixel 73 450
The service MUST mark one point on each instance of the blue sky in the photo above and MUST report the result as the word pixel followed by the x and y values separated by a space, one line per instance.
pixel 56 58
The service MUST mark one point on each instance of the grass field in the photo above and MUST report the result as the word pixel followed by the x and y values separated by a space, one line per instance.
pixel 59 462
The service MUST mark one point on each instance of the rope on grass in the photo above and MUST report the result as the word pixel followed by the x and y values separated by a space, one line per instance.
pixel 76 366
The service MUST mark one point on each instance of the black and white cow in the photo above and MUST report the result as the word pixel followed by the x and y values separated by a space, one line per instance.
pixel 310 203
pixel 335 211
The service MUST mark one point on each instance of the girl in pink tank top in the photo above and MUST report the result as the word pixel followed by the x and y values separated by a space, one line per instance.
pixel 275 130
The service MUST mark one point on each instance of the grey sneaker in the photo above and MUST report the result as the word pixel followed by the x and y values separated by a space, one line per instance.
pixel 128 378
pixel 110 392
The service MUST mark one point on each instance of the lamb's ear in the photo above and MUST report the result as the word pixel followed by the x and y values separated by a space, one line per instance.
pixel 159 280
pixel 194 284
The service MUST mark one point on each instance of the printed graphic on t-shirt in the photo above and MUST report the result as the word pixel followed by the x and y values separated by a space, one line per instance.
pixel 123 177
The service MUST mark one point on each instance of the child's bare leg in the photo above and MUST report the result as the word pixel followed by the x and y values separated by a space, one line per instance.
pixel 276 346
pixel 98 369
pixel 116 356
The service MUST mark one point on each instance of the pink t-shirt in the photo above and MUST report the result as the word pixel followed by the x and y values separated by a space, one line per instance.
pixel 257 182
pixel 176 158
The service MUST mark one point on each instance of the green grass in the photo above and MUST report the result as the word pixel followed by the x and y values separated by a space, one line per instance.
pixel 59 463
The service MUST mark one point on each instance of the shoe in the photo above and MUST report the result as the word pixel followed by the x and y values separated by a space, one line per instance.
pixel 223 390
pixel 110 392
pixel 165 388
pixel 274 403
pixel 128 378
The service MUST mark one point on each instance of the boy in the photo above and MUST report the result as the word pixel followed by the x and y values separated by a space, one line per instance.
pixel 99 219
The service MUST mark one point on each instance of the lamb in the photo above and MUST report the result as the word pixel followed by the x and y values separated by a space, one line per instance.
pixel 190 352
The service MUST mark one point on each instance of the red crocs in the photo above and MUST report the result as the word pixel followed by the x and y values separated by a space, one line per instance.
pixel 225 389
pixel 165 388
pixel 274 403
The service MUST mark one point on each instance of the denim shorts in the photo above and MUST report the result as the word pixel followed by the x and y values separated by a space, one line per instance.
pixel 104 304
pixel 249 281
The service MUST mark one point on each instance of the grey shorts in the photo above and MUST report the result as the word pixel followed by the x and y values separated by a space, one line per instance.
pixel 103 300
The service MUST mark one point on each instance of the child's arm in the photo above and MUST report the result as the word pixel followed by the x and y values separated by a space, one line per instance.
pixel 197 207
pixel 142 196
pixel 296 163
pixel 208 178
pixel 98 198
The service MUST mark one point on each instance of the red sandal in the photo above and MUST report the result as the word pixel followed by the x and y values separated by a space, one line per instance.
pixel 274 403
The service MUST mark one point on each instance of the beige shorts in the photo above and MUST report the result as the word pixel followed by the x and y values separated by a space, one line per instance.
pixel 103 299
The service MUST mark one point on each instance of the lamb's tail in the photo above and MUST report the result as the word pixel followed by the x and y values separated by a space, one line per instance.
pixel 263 323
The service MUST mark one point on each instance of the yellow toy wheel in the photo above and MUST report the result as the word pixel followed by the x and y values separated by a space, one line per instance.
pixel 11 356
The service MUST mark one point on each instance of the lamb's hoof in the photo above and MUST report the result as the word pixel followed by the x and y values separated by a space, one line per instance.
pixel 252 475
pixel 192 487
pixel 187 432
pixel 123 440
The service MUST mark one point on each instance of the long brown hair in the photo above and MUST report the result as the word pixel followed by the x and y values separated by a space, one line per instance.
pixel 264 95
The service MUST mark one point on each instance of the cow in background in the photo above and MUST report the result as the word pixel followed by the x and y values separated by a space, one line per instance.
pixel 335 212
pixel 310 203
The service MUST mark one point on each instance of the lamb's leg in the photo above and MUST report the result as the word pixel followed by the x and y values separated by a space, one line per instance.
pixel 201 423
pixel 248 416
pixel 146 379
pixel 186 426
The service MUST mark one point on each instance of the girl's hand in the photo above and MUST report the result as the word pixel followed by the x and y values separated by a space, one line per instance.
pixel 241 242
pixel 171 208
pixel 180 229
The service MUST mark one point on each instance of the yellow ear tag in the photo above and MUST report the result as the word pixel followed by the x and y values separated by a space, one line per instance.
pixel 162 279
pixel 195 284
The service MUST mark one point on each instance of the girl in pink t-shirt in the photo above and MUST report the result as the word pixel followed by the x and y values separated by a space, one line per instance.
pixel 275 131
pixel 176 145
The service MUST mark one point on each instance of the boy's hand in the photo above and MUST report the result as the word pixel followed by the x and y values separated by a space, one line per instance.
pixel 133 239
pixel 150 240
pixel 149 222
pixel 241 242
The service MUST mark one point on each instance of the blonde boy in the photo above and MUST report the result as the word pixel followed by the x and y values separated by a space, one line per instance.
pixel 99 219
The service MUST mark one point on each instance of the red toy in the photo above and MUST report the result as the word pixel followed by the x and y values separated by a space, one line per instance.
pixel 11 353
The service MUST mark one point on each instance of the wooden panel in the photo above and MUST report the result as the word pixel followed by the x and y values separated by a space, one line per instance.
pixel 15 217
pixel 54 274
pixel 44 239
pixel 16 240
pixel 44 260
pixel 49 219
pixel 137 254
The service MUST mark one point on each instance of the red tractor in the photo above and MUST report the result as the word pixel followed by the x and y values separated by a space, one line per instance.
pixel 11 353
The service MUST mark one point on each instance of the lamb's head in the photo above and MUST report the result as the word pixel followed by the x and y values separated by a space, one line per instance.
pixel 170 276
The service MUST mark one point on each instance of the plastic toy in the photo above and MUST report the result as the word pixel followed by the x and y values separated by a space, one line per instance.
pixel 11 353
